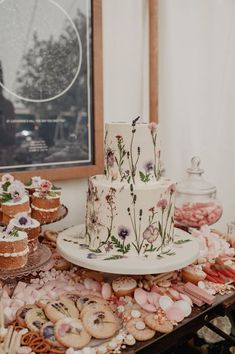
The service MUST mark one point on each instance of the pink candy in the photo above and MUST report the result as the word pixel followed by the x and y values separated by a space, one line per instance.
pixel 198 214
pixel 106 291
pixel 174 313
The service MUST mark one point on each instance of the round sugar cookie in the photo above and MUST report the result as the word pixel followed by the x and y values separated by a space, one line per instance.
pixel 35 319
pixel 55 310
pixel 94 302
pixel 161 325
pixel 21 313
pixel 101 324
pixel 70 332
pixel 139 330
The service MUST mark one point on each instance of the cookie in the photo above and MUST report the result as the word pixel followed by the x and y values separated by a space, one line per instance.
pixel 94 302
pixel 35 319
pixel 70 332
pixel 51 235
pixel 48 332
pixel 159 324
pixel 21 313
pixel 139 330
pixel 124 286
pixel 55 310
pixel 100 324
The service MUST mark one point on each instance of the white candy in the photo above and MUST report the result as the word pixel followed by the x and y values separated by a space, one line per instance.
pixel 140 325
pixel 135 314
pixel 130 340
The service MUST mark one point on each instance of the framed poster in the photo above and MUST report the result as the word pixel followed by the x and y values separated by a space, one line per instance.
pixel 51 104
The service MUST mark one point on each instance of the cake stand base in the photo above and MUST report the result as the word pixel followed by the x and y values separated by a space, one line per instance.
pixel 36 261
pixel 184 251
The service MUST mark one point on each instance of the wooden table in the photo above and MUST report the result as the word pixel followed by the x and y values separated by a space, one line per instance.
pixel 199 317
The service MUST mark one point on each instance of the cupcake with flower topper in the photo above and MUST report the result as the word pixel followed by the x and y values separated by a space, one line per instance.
pixel 23 222
pixel 45 202
pixel 13 249
pixel 34 184
pixel 14 198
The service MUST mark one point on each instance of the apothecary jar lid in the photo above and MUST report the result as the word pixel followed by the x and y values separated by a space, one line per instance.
pixel 195 183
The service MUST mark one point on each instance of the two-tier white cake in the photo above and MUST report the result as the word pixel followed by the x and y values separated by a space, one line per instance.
pixel 130 209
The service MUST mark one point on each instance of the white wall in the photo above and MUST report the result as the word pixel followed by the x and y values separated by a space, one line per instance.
pixel 197 91
pixel 125 65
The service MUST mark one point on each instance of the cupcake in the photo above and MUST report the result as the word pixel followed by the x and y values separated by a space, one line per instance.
pixel 32 227
pixel 14 200
pixel 13 249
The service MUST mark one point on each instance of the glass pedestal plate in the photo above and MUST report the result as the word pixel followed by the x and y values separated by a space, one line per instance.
pixel 37 259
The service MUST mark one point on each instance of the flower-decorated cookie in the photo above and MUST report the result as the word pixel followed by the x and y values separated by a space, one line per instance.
pixel 48 332
pixel 70 332
pixel 35 319
pixel 56 310
pixel 101 324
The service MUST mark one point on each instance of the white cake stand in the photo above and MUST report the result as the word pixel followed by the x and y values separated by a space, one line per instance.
pixel 184 251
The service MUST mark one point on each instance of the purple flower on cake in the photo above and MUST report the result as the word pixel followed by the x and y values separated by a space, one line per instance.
pixel 45 185
pixel 148 166
pixel 123 232
pixel 109 246
pixel 162 203
pixel 16 190
pixel 36 181
pixel 22 219
pixel 153 127
pixel 150 234
pixel 7 178
pixel 91 256
pixel 110 157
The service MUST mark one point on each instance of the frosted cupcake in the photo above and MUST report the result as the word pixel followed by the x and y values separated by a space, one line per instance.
pixel 14 200
pixel 23 222
pixel 13 249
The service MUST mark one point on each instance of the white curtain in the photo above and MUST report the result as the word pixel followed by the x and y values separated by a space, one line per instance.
pixel 197 91
pixel 125 59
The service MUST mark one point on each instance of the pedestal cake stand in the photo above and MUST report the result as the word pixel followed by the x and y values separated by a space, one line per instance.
pixel 71 246
pixel 37 259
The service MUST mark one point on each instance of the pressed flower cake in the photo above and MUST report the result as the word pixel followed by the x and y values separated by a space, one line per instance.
pixel 130 209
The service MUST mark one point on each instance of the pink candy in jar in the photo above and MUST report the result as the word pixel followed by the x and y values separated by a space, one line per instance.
pixel 196 203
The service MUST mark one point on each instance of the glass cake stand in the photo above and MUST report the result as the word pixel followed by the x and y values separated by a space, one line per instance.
pixel 62 213
pixel 36 261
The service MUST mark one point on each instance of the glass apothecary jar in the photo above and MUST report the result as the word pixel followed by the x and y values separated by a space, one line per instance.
pixel 196 204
